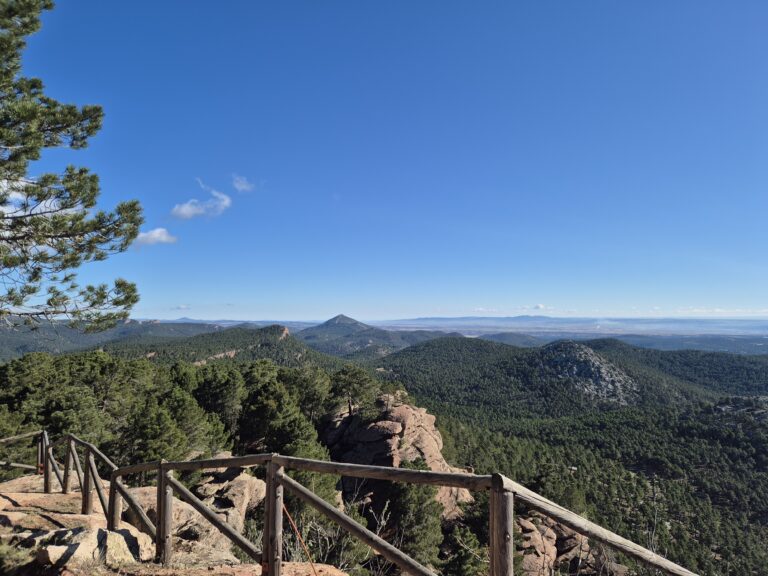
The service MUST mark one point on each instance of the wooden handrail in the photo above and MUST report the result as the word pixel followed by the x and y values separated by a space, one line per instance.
pixel 4 464
pixel 230 462
pixel 20 437
pixel 458 480
pixel 503 491
pixel 584 526
pixel 94 450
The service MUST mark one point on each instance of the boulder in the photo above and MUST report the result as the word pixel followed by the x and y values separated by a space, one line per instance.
pixel 401 432
pixel 233 492
pixel 78 547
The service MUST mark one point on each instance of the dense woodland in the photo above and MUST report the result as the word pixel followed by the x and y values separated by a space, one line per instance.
pixel 681 466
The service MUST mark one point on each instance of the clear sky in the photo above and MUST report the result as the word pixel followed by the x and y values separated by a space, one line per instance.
pixel 298 159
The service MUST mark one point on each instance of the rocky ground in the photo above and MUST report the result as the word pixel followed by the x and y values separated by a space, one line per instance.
pixel 50 536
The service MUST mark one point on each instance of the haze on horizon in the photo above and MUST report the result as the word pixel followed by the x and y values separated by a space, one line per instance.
pixel 399 160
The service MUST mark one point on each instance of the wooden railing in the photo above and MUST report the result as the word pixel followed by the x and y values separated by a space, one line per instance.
pixel 503 492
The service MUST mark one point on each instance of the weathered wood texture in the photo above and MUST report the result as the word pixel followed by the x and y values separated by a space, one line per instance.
pixel 167 549
pixel 459 480
pixel 234 462
pixel 502 528
pixel 67 486
pixel 389 552
pixel 78 469
pixel 55 467
pixel 275 519
pixel 97 483
pixel 46 464
pixel 20 437
pixel 115 507
pixel 5 464
pixel 159 508
pixel 87 507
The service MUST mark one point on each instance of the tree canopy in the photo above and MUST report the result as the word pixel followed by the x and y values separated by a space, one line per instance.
pixel 49 223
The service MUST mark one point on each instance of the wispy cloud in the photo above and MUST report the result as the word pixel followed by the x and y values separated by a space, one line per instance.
pixel 214 206
pixel 182 307
pixel 242 184
pixel 156 236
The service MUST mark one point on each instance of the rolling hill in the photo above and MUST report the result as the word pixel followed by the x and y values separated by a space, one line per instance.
pixel 734 343
pixel 57 337
pixel 241 343
pixel 503 382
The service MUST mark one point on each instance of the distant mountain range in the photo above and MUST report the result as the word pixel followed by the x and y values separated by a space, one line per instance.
pixel 350 339
pixel 547 326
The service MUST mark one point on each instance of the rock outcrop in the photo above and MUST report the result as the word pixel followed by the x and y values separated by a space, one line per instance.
pixel 401 432
pixel 592 374
pixel 233 493
pixel 83 546
pixel 551 548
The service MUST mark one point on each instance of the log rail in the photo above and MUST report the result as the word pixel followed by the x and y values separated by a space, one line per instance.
pixel 503 493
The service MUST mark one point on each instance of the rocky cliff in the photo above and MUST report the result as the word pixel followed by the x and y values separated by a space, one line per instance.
pixel 401 432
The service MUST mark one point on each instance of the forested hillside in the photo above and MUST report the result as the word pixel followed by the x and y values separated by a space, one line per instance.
pixel 58 337
pixel 733 343
pixel 503 382
pixel 674 466
pixel 240 343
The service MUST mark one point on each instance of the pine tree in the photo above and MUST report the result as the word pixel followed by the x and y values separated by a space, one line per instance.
pixel 356 386
pixel 221 390
pixel 417 516
pixel 48 223
pixel 468 558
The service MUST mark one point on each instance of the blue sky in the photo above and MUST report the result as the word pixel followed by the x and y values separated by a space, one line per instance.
pixel 402 158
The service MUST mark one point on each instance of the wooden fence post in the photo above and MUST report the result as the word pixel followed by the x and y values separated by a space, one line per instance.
pixel 67 469
pixel 47 473
pixel 115 506
pixel 40 453
pixel 274 521
pixel 159 506
pixel 502 518
pixel 167 520
pixel 87 507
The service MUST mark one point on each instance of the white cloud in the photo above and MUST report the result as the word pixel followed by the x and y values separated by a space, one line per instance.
pixel 211 207
pixel 242 184
pixel 182 307
pixel 539 307
pixel 156 236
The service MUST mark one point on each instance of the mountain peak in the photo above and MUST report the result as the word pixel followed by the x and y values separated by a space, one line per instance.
pixel 341 319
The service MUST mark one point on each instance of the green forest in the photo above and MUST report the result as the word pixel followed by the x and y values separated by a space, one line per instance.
pixel 679 466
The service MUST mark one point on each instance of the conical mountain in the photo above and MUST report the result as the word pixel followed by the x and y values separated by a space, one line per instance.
pixel 349 338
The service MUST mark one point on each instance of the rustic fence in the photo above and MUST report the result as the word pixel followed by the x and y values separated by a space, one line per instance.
pixel 503 493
